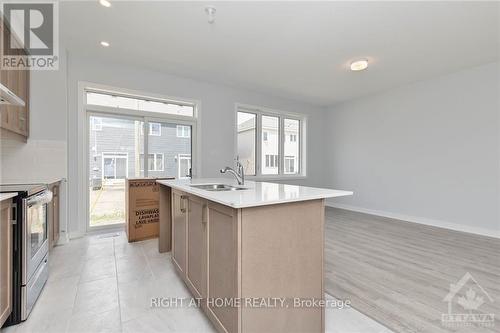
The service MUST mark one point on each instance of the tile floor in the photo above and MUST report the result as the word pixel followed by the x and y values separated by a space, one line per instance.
pixel 105 284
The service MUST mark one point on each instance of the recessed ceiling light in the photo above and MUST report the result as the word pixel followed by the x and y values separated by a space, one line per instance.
pixel 359 65
pixel 105 3
pixel 104 43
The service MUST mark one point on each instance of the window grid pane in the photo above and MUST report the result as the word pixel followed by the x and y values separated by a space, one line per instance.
pixel 270 144
pixel 291 146
pixel 246 141
pixel 278 146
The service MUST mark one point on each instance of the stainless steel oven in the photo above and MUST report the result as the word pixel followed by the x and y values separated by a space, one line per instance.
pixel 30 247
pixel 35 249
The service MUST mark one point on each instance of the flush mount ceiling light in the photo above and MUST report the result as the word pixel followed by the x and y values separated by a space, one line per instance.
pixel 105 3
pixel 104 43
pixel 359 65
pixel 210 11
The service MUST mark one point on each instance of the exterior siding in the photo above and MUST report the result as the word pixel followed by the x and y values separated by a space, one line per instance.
pixel 123 136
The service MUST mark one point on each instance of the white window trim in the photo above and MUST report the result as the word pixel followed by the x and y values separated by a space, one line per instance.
pixel 82 141
pixel 302 137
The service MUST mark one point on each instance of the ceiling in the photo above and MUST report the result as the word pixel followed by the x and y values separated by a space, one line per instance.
pixel 298 50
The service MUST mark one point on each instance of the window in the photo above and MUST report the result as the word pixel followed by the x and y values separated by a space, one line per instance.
pixel 184 166
pixel 289 164
pixel 183 131
pixel 155 162
pixel 292 148
pixel 114 165
pixel 275 136
pixel 270 144
pixel 150 104
pixel 246 126
pixel 271 161
pixel 155 129
pixel 96 123
pixel 129 136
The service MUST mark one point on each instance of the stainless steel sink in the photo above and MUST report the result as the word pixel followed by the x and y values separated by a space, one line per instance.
pixel 218 187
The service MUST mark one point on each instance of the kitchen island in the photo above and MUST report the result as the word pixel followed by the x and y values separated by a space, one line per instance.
pixel 253 253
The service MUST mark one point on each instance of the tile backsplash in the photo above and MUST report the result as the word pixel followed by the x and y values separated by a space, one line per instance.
pixel 34 161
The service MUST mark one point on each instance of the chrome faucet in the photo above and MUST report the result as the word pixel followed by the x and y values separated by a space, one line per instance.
pixel 239 175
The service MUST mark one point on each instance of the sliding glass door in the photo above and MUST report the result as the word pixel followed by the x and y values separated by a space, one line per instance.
pixel 122 147
pixel 115 148
pixel 168 149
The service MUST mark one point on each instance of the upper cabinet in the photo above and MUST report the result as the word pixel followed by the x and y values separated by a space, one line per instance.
pixel 14 121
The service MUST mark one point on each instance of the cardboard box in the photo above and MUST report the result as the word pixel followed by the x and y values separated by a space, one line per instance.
pixel 142 208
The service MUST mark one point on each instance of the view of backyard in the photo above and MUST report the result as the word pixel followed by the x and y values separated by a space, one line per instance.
pixel 107 204
pixel 116 152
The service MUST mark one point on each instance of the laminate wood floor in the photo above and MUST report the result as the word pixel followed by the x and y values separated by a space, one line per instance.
pixel 399 273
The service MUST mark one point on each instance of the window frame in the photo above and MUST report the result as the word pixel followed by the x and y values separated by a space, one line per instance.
pixel 301 161
pixel 81 147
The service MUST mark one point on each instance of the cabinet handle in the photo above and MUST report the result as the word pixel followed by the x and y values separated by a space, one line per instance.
pixel 204 214
pixel 183 203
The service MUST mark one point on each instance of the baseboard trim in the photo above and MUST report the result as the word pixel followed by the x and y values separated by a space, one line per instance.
pixel 76 234
pixel 419 220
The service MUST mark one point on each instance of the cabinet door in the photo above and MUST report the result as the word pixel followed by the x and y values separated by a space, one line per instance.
pixel 222 262
pixel 179 224
pixel 5 260
pixel 16 118
pixel 196 245
pixel 23 93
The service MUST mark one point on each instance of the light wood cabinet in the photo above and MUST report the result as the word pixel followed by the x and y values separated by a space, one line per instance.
pixel 223 263
pixel 179 224
pixel 14 120
pixel 5 260
pixel 54 214
pixel 256 253
pixel 196 273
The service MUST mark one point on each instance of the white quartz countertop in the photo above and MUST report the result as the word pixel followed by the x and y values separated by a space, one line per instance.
pixel 26 180
pixel 255 194
pixel 8 195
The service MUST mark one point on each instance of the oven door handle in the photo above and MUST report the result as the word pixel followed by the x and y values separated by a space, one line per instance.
pixel 40 199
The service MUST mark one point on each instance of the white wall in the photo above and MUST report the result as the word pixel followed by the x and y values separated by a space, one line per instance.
pixel 428 152
pixel 217 119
